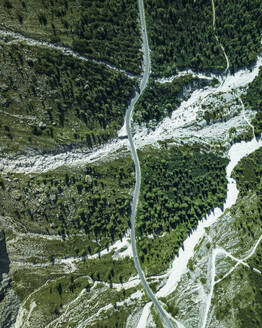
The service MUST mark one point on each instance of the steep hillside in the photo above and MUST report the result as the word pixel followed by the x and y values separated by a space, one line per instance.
pixel 222 283
pixel 126 199
pixel 55 101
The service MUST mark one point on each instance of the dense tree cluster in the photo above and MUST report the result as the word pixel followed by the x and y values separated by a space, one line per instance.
pixel 108 269
pixel 64 101
pixel 102 29
pixel 249 183
pixel 239 28
pixel 248 173
pixel 180 185
pixel 253 99
pixel 94 200
pixel 181 35
pixel 159 100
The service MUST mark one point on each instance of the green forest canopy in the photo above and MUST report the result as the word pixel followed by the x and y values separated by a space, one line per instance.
pixel 64 101
pixel 102 29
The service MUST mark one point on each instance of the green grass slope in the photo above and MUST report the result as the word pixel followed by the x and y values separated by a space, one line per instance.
pixel 93 201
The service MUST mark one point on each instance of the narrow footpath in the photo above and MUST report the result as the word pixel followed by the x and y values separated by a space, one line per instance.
pixel 128 118
pixel 220 44
pixel 217 251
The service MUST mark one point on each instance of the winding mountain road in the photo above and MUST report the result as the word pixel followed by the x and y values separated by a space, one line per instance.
pixel 128 118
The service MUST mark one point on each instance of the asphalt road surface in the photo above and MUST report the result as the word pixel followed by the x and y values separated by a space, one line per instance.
pixel 143 83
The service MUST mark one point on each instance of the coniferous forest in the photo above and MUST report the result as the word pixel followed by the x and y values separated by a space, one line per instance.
pixel 180 185
pixel 64 102
pixel 253 99
pixel 181 34
pixel 71 73
pixel 159 100
pixel 104 30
